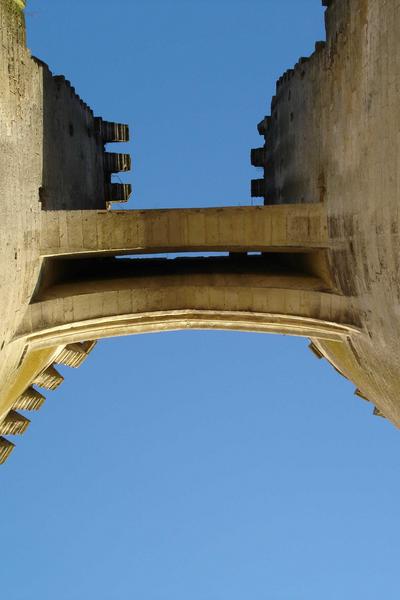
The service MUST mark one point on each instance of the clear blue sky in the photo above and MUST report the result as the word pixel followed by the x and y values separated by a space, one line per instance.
pixel 195 465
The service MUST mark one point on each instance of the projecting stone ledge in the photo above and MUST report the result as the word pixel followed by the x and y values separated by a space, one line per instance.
pixel 6 447
pixel 37 369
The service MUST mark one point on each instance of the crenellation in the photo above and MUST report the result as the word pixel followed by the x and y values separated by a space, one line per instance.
pixel 320 46
pixel 361 394
pixel 264 125
pixel 73 355
pixel 280 124
pixel 302 61
pixel 258 188
pixel 30 400
pixel 118 192
pixel 114 162
pixel 315 350
pixel 74 144
pixel 111 132
pixel 378 413
pixel 14 424
pixel 49 379
pixel 6 447
pixel 257 157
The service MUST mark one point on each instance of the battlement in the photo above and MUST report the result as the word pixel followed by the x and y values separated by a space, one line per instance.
pixel 278 123
pixel 77 170
pixel 39 372
pixel 278 184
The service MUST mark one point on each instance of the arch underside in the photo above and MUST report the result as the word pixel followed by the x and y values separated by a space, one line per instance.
pixel 273 278
pixel 175 320
pixel 286 289
pixel 292 304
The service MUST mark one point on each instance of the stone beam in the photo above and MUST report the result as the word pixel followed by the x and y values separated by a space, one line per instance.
pixel 232 229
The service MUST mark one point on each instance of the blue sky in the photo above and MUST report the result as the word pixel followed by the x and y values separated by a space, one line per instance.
pixel 195 465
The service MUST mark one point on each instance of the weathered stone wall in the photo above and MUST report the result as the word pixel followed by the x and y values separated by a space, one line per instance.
pixel 52 157
pixel 76 169
pixel 330 112
pixel 21 166
pixel 333 137
pixel 73 151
